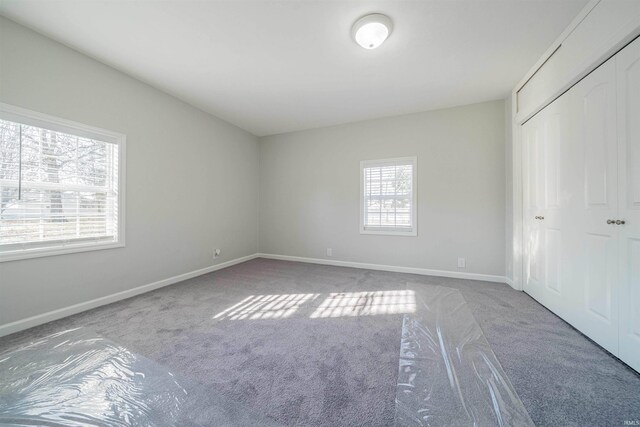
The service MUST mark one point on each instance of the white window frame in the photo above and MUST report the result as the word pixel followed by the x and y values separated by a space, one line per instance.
pixel 414 206
pixel 42 249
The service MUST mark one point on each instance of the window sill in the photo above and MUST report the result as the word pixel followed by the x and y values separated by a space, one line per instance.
pixel 68 248
pixel 413 233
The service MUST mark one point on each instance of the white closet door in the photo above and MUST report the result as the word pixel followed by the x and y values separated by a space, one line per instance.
pixel 592 302
pixel 533 165
pixel 555 122
pixel 628 77
pixel 545 204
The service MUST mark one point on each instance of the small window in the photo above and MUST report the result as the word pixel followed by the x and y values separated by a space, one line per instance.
pixel 388 196
pixel 60 186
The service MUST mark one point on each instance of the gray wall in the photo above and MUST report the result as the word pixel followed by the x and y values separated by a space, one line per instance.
pixel 191 178
pixel 309 190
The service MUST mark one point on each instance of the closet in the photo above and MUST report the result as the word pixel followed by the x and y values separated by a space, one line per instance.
pixel 581 182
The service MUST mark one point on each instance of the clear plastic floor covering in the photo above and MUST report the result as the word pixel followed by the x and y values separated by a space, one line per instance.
pixel 76 378
pixel 448 376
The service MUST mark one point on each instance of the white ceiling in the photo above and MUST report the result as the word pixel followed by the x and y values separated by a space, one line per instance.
pixel 278 66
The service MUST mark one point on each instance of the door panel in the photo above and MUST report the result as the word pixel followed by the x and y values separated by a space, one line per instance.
pixel 628 77
pixel 533 167
pixel 552 157
pixel 598 170
pixel 545 200
pixel 634 291
pixel 591 301
pixel 556 124
pixel 600 279
pixel 553 263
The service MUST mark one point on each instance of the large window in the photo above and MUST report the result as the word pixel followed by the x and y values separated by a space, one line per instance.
pixel 388 196
pixel 60 186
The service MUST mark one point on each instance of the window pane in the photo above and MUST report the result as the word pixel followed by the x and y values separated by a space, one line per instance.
pixel 68 186
pixel 388 196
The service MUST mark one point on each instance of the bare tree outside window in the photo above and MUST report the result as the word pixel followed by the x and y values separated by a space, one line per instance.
pixel 55 186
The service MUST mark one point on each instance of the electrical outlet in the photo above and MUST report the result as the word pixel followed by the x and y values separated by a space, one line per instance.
pixel 217 252
pixel 329 252
pixel 462 263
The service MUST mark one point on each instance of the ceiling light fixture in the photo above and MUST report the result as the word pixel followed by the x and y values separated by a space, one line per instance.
pixel 371 31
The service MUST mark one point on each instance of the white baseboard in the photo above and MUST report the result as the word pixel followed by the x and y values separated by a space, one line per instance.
pixel 39 319
pixel 397 269
pixel 509 281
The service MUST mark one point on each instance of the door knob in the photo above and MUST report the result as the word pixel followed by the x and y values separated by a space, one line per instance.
pixel 620 222
pixel 611 221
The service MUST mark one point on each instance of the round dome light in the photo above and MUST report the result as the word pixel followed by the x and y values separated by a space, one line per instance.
pixel 371 31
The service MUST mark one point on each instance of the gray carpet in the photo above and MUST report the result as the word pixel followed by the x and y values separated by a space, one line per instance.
pixel 300 362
